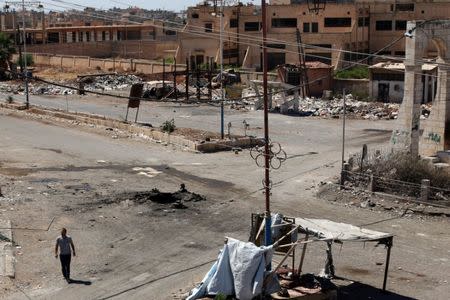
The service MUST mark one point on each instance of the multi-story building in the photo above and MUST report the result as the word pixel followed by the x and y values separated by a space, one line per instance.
pixel 331 35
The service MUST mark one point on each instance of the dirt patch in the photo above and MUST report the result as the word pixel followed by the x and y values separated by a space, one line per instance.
pixel 16 171
pixel 356 271
pixel 198 135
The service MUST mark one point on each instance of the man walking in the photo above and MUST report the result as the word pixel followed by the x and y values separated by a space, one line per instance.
pixel 64 243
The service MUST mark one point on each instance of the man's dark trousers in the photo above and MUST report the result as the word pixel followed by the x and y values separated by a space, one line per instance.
pixel 65 264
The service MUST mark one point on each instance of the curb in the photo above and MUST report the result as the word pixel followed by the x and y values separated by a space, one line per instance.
pixel 7 259
pixel 162 137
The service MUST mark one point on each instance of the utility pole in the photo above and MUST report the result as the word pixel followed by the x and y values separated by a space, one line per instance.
pixel 343 128
pixel 24 38
pixel 268 219
pixel 222 117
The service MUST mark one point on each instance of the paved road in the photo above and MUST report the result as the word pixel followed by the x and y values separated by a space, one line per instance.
pixel 139 253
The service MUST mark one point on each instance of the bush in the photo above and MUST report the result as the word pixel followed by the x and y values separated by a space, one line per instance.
pixel 168 126
pixel 401 166
pixel 359 72
pixel 29 57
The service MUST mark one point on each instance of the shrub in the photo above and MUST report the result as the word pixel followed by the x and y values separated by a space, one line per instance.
pixel 359 72
pixel 168 126
pixel 29 57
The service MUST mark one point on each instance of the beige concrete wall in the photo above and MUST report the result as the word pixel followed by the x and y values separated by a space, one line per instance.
pixel 129 49
pixel 85 63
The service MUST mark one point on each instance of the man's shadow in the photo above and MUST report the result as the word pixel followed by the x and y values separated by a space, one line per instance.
pixel 76 281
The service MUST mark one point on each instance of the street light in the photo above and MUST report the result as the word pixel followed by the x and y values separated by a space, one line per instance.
pixel 24 39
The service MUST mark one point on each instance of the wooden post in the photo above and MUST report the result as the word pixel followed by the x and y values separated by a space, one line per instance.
pixel 198 83
pixel 302 258
pixel 345 169
pixel 210 82
pixel 187 80
pixel 175 78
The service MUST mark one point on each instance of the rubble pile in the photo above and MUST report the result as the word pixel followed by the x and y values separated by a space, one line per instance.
pixel 91 83
pixel 334 108
pixel 355 108
pixel 110 82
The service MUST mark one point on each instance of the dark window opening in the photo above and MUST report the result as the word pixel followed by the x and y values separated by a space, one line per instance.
pixel 88 36
pixel 384 53
pixel 322 57
pixel 383 25
pixel 314 27
pixel 103 35
pixel 305 27
pixel 234 23
pixel 389 77
pixel 253 26
pixel 208 27
pixel 400 25
pixel 399 53
pixel 284 22
pixel 170 32
pixel 363 21
pixel 404 6
pixel 338 22
pixel 195 16
pixel 276 46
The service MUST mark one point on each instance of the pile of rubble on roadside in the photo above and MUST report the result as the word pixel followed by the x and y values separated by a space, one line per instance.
pixel 334 108
pixel 110 82
pixel 91 83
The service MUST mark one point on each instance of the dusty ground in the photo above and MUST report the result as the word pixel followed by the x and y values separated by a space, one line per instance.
pixel 63 176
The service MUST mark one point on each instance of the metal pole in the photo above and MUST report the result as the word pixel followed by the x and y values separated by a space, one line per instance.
pixel 268 233
pixel 388 258
pixel 175 77
pixel 343 130
pixel 187 80
pixel 221 73
pixel 27 99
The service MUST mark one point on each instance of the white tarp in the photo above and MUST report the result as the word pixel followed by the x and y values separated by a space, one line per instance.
pixel 329 230
pixel 239 271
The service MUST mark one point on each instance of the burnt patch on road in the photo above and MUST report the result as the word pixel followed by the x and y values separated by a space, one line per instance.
pixel 176 200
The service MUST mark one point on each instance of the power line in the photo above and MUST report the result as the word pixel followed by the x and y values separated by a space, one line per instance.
pixel 240 35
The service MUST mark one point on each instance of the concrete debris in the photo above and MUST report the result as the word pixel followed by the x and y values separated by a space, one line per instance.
pixel 110 82
pixel 333 108
pixel 95 83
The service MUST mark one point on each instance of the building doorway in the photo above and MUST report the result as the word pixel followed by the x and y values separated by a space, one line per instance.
pixel 383 92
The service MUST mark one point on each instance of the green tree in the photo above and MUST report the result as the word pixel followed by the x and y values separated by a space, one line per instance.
pixel 7 49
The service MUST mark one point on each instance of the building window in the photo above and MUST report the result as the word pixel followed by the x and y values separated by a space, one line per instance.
pixel 383 25
pixel 338 22
pixel 400 25
pixel 103 35
pixel 314 27
pixel 208 27
pixel 404 7
pixel 74 36
pixel 363 21
pixel 80 36
pixel 399 53
pixel 284 22
pixel 384 53
pixel 306 27
pixel 194 16
pixel 170 32
pixel 276 46
pixel 233 23
pixel 253 26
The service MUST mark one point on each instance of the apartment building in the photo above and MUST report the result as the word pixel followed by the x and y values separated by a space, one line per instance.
pixel 332 35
